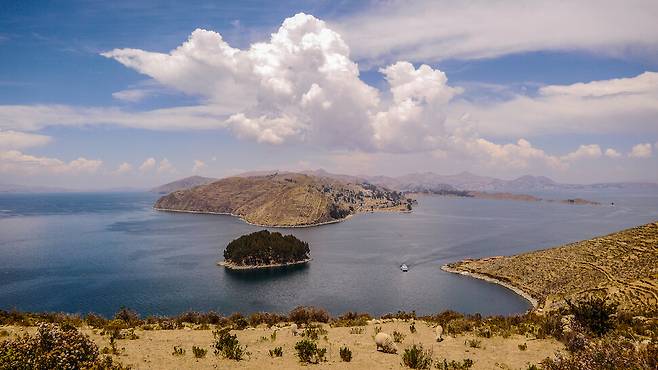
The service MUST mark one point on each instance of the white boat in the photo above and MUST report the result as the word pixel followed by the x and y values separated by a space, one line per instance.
pixel 404 268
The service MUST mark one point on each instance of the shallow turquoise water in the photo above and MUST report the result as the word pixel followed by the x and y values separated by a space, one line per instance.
pixel 97 252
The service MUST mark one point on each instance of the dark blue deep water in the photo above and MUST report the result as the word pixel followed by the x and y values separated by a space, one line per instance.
pixel 97 252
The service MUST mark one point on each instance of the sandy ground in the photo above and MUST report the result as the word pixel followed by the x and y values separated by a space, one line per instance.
pixel 153 349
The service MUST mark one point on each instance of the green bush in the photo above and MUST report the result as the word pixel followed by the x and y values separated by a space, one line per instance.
pixel 523 347
pixel 398 337
pixel 454 365
pixel 345 354
pixel 308 352
pixel 415 357
pixel 199 352
pixel 357 330
pixel 474 343
pixel 314 332
pixel 130 317
pixel 276 352
pixel 178 351
pixel 594 314
pixel 239 322
pixel 52 347
pixel 412 327
pixel 227 345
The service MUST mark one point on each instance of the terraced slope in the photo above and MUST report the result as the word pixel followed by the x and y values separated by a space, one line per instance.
pixel 288 199
pixel 623 266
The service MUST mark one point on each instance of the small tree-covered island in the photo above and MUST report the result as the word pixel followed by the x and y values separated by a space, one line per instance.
pixel 264 249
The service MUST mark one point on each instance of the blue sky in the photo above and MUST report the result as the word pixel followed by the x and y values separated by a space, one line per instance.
pixel 485 88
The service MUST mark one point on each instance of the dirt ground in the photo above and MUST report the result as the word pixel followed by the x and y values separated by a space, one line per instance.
pixel 153 349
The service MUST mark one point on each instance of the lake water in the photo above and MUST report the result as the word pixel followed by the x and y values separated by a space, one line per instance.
pixel 97 252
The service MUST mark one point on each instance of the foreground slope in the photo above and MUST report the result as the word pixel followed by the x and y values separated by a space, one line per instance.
pixel 622 266
pixel 288 199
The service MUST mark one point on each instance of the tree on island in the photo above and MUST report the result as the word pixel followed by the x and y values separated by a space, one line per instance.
pixel 266 248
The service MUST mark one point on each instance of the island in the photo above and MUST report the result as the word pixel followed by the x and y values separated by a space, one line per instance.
pixel 285 199
pixel 264 249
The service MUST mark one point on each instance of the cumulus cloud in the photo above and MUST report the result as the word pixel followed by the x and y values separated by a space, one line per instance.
pixel 428 30
pixel 16 161
pixel 19 140
pixel 584 151
pixel 124 168
pixel 641 151
pixel 147 165
pixel 198 165
pixel 303 86
pixel 612 153
pixel 165 166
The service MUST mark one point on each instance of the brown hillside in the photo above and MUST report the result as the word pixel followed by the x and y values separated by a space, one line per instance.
pixel 288 199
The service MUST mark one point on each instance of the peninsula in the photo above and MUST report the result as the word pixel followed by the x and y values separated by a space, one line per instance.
pixel 264 249
pixel 285 200
pixel 622 267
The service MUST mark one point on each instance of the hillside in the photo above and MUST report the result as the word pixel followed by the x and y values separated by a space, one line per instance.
pixel 623 266
pixel 186 183
pixel 284 199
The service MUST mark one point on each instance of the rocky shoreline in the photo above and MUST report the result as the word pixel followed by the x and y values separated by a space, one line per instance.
pixel 233 266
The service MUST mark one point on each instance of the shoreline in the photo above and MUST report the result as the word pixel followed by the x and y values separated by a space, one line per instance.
pixel 232 266
pixel 515 289
pixel 279 226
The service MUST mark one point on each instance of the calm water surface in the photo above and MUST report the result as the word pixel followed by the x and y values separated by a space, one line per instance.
pixel 97 252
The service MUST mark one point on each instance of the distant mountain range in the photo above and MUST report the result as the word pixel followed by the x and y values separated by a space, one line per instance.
pixel 186 183
pixel 13 188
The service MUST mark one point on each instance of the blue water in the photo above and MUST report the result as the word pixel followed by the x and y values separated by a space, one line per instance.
pixel 96 252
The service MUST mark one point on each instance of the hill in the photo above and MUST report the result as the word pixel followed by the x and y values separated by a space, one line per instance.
pixel 622 266
pixel 186 183
pixel 285 200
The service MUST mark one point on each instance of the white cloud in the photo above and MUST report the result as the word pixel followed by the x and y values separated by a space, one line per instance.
pixel 596 107
pixel 584 151
pixel 147 165
pixel 130 95
pixel 124 168
pixel 612 153
pixel 302 86
pixel 19 140
pixel 198 165
pixel 18 162
pixel 641 151
pixel 166 167
pixel 428 30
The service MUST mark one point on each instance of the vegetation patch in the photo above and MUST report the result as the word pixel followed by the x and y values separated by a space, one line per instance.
pixel 309 353
pixel 415 357
pixel 264 248
pixel 227 345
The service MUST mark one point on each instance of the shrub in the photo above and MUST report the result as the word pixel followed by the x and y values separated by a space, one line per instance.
pixel 227 345
pixel 130 317
pixel 415 357
pixel 523 347
pixel 276 352
pixel 199 352
pixel 4 333
pixel 308 352
pixel 238 321
pixel 605 353
pixel 594 314
pixel 270 319
pixel 400 315
pixel 178 351
pixel 357 330
pixel 52 347
pixel 454 365
pixel 307 315
pixel 96 321
pixel 398 337
pixel 352 319
pixel 474 343
pixel 412 327
pixel 314 332
pixel 345 354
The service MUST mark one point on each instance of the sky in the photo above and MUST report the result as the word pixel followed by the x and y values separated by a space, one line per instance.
pixel 106 94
